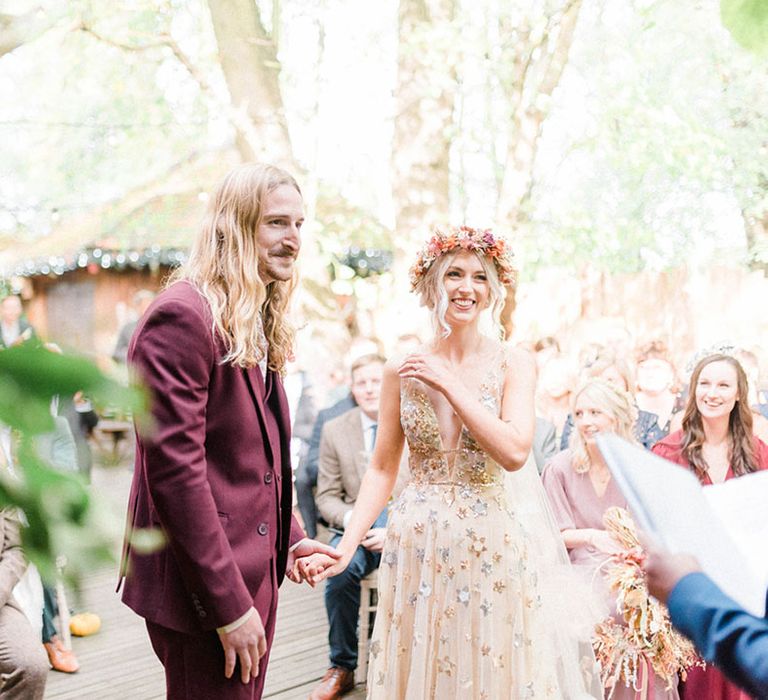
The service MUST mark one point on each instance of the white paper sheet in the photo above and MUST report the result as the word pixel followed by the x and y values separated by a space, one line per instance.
pixel 669 504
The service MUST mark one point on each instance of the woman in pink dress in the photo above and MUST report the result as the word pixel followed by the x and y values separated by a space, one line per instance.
pixel 581 490
pixel 717 444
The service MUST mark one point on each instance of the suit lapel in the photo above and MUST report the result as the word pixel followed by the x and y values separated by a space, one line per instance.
pixel 256 386
pixel 356 441
pixel 283 414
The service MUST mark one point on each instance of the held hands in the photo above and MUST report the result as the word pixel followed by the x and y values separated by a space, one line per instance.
pixel 318 567
pixel 247 643
pixel 308 548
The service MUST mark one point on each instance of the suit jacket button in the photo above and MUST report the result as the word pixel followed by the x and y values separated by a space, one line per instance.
pixel 263 529
pixel 202 613
pixel 268 478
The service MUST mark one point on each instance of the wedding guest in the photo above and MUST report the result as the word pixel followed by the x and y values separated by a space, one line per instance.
pixel 14 329
pixel 717 443
pixel 23 665
pixel 140 303
pixel 613 370
pixel 546 349
pixel 553 398
pixel 748 361
pixel 656 378
pixel 581 490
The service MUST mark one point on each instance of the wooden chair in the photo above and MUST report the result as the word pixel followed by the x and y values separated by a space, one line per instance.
pixel 369 598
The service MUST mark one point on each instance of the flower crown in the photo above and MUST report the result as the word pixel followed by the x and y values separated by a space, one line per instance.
pixel 722 348
pixel 482 241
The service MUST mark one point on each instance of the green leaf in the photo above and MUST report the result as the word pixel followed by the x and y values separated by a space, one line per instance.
pixel 747 21
pixel 31 375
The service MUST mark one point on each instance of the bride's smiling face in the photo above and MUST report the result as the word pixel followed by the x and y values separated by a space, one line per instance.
pixel 467 287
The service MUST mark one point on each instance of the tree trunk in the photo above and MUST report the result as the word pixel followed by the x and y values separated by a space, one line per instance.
pixel 755 230
pixel 537 65
pixel 17 30
pixel 248 59
pixel 426 85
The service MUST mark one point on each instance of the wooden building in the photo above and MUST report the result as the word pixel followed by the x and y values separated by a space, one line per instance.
pixel 78 282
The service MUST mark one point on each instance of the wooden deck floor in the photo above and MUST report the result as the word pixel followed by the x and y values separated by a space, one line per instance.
pixel 118 662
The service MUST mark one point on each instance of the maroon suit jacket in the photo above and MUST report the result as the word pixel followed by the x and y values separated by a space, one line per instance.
pixel 213 473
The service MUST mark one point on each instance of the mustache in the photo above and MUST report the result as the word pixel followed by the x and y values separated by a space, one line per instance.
pixel 284 252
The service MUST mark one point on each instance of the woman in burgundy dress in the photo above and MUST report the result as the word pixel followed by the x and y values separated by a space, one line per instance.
pixel 717 444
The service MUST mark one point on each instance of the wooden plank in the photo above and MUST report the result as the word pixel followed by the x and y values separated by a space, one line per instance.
pixel 118 662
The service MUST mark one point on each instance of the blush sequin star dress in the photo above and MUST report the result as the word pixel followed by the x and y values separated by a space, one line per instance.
pixel 465 610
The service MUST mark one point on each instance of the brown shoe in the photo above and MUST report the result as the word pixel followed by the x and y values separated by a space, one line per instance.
pixel 336 682
pixel 61 658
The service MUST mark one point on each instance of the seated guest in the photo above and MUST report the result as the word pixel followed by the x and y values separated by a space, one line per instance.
pixel 580 489
pixel 544 445
pixel 748 361
pixel 615 371
pixel 306 473
pixel 23 664
pixel 717 444
pixel 553 395
pixel 346 445
pixel 545 349
pixel 725 634
pixel 655 379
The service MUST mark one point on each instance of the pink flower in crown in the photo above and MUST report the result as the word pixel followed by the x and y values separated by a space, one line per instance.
pixel 464 238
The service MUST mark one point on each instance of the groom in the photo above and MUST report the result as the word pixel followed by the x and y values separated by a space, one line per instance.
pixel 213 472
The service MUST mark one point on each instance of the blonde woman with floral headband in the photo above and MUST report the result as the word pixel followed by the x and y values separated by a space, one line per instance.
pixel 471 584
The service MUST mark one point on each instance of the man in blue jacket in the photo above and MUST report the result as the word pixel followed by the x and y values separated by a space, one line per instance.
pixel 724 633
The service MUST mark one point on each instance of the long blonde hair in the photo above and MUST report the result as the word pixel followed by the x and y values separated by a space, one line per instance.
pixel 615 403
pixel 249 315
pixel 435 298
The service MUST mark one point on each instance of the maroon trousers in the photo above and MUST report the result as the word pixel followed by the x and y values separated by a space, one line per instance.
pixel 194 664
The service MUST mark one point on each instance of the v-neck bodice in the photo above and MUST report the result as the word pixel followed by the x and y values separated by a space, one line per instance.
pixel 431 460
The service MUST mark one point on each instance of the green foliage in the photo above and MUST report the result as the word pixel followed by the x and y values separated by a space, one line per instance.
pixel 666 162
pixel 64 517
pixel 747 21
pixel 30 376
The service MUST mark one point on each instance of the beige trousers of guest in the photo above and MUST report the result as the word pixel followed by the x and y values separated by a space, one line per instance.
pixel 23 661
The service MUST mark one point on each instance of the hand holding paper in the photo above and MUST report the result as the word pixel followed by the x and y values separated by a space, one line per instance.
pixel 723 526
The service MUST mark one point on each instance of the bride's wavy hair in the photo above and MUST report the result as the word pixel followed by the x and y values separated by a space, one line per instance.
pixel 435 298
pixel 223 266
pixel 613 402
pixel 742 447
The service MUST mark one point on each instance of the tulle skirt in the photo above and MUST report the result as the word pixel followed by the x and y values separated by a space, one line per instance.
pixel 474 605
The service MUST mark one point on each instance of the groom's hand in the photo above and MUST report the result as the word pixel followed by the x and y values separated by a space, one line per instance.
pixel 306 548
pixel 248 643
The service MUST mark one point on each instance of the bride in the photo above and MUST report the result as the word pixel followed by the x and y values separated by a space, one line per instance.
pixel 471 583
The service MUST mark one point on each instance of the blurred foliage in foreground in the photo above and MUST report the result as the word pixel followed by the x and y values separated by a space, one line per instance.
pixel 65 517
pixel 747 21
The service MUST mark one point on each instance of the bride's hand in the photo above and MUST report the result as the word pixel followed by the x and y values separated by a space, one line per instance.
pixel 317 567
pixel 433 371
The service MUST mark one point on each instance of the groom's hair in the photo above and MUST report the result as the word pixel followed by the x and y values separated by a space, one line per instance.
pixel 223 265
